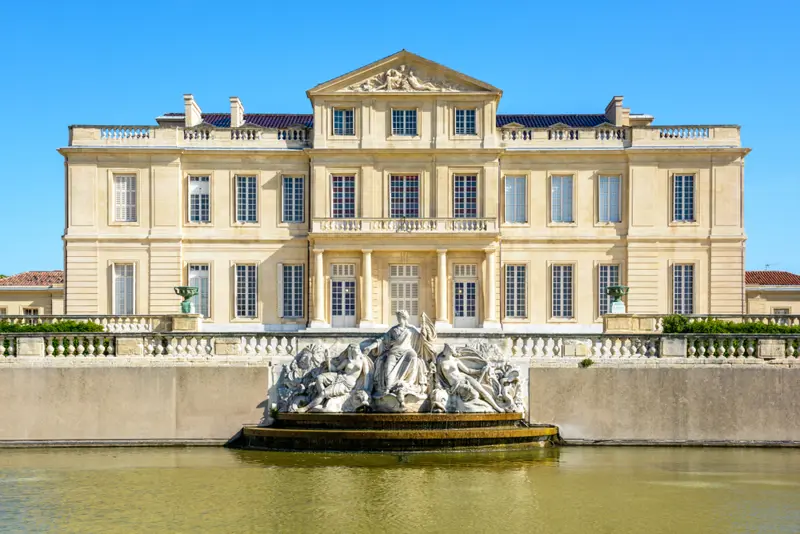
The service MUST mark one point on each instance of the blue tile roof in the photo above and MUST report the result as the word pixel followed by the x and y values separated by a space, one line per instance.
pixel 284 120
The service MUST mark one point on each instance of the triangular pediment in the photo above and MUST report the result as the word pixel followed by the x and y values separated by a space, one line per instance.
pixel 404 72
pixel 512 125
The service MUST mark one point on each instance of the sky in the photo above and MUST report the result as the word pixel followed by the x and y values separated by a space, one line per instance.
pixel 697 62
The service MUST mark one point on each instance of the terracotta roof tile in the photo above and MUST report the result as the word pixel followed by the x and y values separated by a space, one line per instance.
pixel 771 278
pixel 34 279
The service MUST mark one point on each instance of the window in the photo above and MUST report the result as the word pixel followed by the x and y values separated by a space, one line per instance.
pixel 343 122
pixel 515 291
pixel 292 291
pixel 3 311
pixel 608 275
pixel 123 275
pixel 293 199
pixel 343 295
pixel 516 211
pixel 404 122
pixel 246 199
pixel 683 197
pixel 404 196
pixel 781 311
pixel 465 122
pixel 608 198
pixel 199 199
pixel 404 291
pixel 683 289
pixel 561 199
pixel 198 277
pixel 344 197
pixel 30 311
pixel 246 291
pixel 124 198
pixel 465 196
pixel 562 291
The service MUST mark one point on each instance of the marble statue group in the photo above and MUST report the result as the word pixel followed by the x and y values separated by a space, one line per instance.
pixel 401 372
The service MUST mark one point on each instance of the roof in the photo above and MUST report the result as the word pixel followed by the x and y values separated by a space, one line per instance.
pixel 771 278
pixel 285 120
pixel 34 279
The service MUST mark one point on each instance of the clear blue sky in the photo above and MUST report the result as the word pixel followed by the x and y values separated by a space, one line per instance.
pixel 127 62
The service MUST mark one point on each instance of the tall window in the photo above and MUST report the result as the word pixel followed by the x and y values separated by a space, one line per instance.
pixel 293 199
pixel 404 290
pixel 124 198
pixel 292 290
pixel 344 197
pixel 683 197
pixel 30 311
pixel 561 199
pixel 343 122
pixel 516 291
pixel 404 196
pixel 562 291
pixel 608 198
pixel 516 200
pixel 608 275
pixel 465 122
pixel 123 275
pixel 246 291
pixel 683 288
pixel 465 196
pixel 198 277
pixel 246 199
pixel 404 122
pixel 199 199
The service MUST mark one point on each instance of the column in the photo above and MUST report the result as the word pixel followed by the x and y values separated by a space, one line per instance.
pixel 441 297
pixel 318 320
pixel 490 313
pixel 366 273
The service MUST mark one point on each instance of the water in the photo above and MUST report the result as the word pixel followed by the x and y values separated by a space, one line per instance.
pixel 570 490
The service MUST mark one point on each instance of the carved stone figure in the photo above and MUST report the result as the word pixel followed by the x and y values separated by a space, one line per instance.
pixel 402 79
pixel 400 370
pixel 344 387
pixel 469 381
pixel 297 378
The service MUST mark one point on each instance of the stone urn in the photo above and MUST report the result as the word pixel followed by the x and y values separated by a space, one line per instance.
pixel 616 292
pixel 186 293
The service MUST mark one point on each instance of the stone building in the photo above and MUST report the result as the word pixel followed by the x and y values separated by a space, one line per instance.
pixel 772 292
pixel 404 189
pixel 32 293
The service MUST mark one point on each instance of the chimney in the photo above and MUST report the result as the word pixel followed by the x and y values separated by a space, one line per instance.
pixel 616 114
pixel 191 111
pixel 237 112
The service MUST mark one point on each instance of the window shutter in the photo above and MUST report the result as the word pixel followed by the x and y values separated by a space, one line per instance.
pixel 280 289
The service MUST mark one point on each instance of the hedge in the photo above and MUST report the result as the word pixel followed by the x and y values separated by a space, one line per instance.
pixel 59 327
pixel 679 324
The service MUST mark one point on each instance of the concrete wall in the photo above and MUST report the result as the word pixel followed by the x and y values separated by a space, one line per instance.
pixel 757 404
pixel 130 403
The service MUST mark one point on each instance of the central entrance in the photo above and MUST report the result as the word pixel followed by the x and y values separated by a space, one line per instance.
pixel 343 295
pixel 465 290
pixel 404 291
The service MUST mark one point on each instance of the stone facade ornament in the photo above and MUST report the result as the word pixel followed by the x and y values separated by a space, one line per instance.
pixel 401 372
pixel 403 79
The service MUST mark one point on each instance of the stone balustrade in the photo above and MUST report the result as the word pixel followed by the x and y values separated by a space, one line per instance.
pixel 390 226
pixel 620 137
pixel 201 136
pixel 110 323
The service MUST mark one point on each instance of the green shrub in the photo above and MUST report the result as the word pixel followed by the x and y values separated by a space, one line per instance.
pixel 679 324
pixel 586 362
pixel 59 327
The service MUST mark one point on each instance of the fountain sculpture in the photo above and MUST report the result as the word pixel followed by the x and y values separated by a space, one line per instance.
pixel 402 391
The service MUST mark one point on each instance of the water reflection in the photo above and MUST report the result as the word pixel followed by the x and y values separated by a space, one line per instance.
pixel 551 490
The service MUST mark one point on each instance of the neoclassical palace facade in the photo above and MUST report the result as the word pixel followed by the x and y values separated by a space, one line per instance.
pixel 404 189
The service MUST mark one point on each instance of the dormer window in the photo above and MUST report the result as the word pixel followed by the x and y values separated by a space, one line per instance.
pixel 465 122
pixel 343 121
pixel 404 122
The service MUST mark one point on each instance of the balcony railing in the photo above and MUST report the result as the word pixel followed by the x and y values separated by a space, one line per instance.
pixel 411 226
pixel 110 323
pixel 201 136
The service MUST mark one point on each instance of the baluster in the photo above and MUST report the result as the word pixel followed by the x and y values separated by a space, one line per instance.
pixel 518 347
pixel 607 348
pixel 282 346
pixel 750 348
pixel 711 348
pixel 529 347
pixel 204 348
pixel 740 350
pixel 12 347
pixel 172 346
pixel 597 348
pixel 250 346
pixel 183 347
pixel 193 346
pixel 538 351
pixel 548 348
pixel 558 348
pixel 731 348
pixel 89 346
pixel 79 350
pixel 691 349
pixel 2 347
pixel 790 351
pixel 49 349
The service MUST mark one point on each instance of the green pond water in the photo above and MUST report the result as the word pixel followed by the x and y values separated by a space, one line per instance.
pixel 572 490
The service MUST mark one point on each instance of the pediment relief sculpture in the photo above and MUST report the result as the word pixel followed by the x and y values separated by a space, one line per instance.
pixel 404 79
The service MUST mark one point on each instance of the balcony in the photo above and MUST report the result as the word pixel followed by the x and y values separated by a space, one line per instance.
pixel 619 137
pixel 483 226
pixel 198 137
